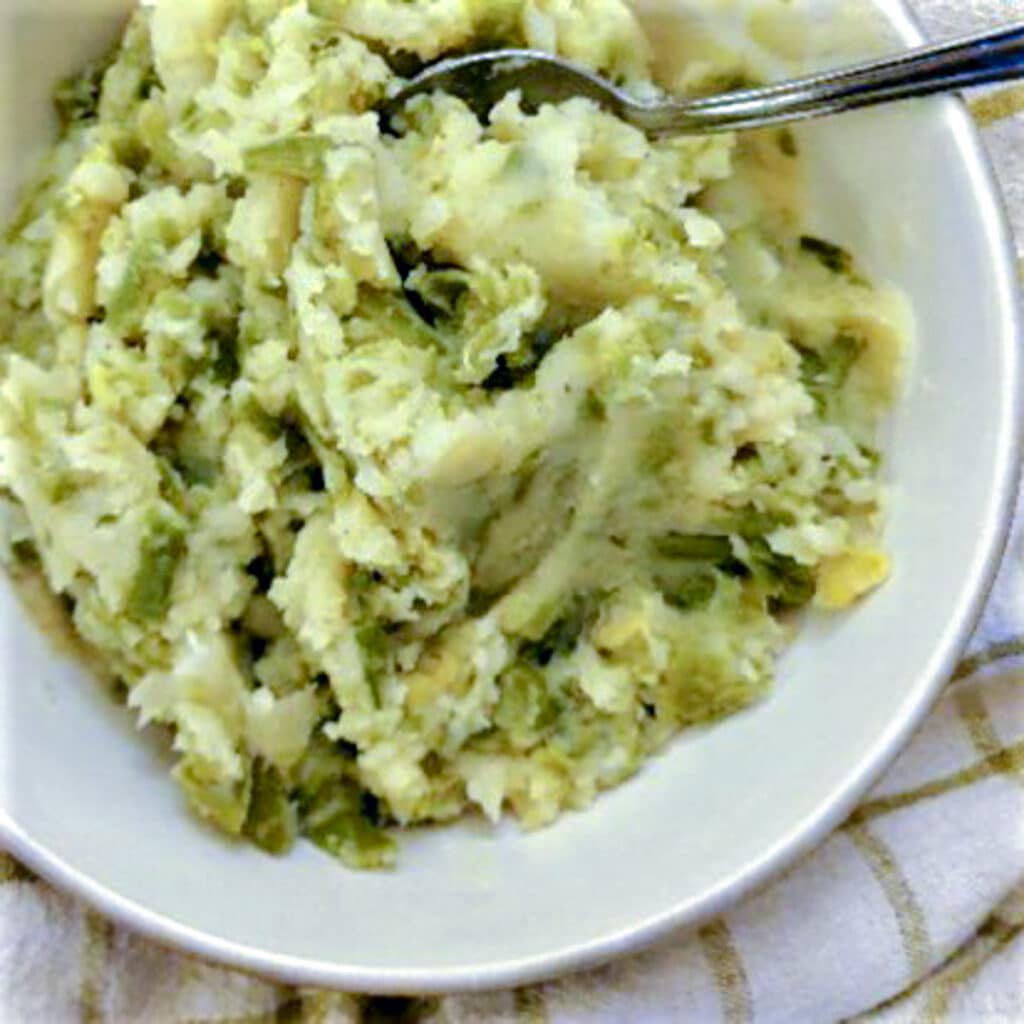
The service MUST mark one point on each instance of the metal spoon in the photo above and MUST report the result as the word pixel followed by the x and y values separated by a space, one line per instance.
pixel 482 79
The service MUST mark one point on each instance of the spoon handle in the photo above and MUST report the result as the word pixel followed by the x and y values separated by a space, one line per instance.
pixel 977 60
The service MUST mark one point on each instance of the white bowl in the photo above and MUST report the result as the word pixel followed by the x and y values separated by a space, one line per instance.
pixel 88 804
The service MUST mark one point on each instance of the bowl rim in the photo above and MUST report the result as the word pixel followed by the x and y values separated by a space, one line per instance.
pixel 799 841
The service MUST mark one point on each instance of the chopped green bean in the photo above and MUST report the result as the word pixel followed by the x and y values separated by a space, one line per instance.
pixel 225 802
pixel 298 156
pixel 271 821
pixel 336 819
pixel 751 523
pixel 790 585
pixel 695 547
pixel 161 551
pixel 526 709
pixel 825 371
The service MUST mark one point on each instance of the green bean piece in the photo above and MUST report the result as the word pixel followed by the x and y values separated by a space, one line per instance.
pixel 752 523
pixel 337 819
pixel 225 802
pixel 790 585
pixel 373 644
pixel 298 156
pixel 694 547
pixel 526 710
pixel 825 371
pixel 271 821
pixel 162 550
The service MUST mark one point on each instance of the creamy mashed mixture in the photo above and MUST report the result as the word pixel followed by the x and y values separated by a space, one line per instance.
pixel 405 474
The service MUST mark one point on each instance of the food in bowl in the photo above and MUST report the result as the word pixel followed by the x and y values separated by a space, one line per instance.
pixel 447 468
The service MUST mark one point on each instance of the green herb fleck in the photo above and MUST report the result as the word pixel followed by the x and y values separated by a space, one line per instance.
pixel 361 581
pixel 594 407
pixel 872 455
pixel 508 374
pixel 561 637
pixel 149 83
pixel 526 710
pixel 131 153
pixel 77 99
pixel 373 643
pixel 830 256
pixel 825 371
pixel 25 552
pixel 694 591
pixel 196 470
pixel 787 143
pixel 226 364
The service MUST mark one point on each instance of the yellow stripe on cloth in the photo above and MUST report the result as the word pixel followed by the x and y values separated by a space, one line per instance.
pixel 917 946
pixel 316 1007
pixel 12 871
pixel 1002 651
pixel 530 1006
pixel 998 106
pixel 978 722
pixel 973 713
pixel 943 987
pixel 728 971
pixel 97 935
pixel 1007 761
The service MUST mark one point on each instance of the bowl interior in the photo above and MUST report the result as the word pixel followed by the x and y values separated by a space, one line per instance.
pixel 89 802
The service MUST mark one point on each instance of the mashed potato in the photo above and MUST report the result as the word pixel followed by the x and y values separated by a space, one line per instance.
pixel 402 474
